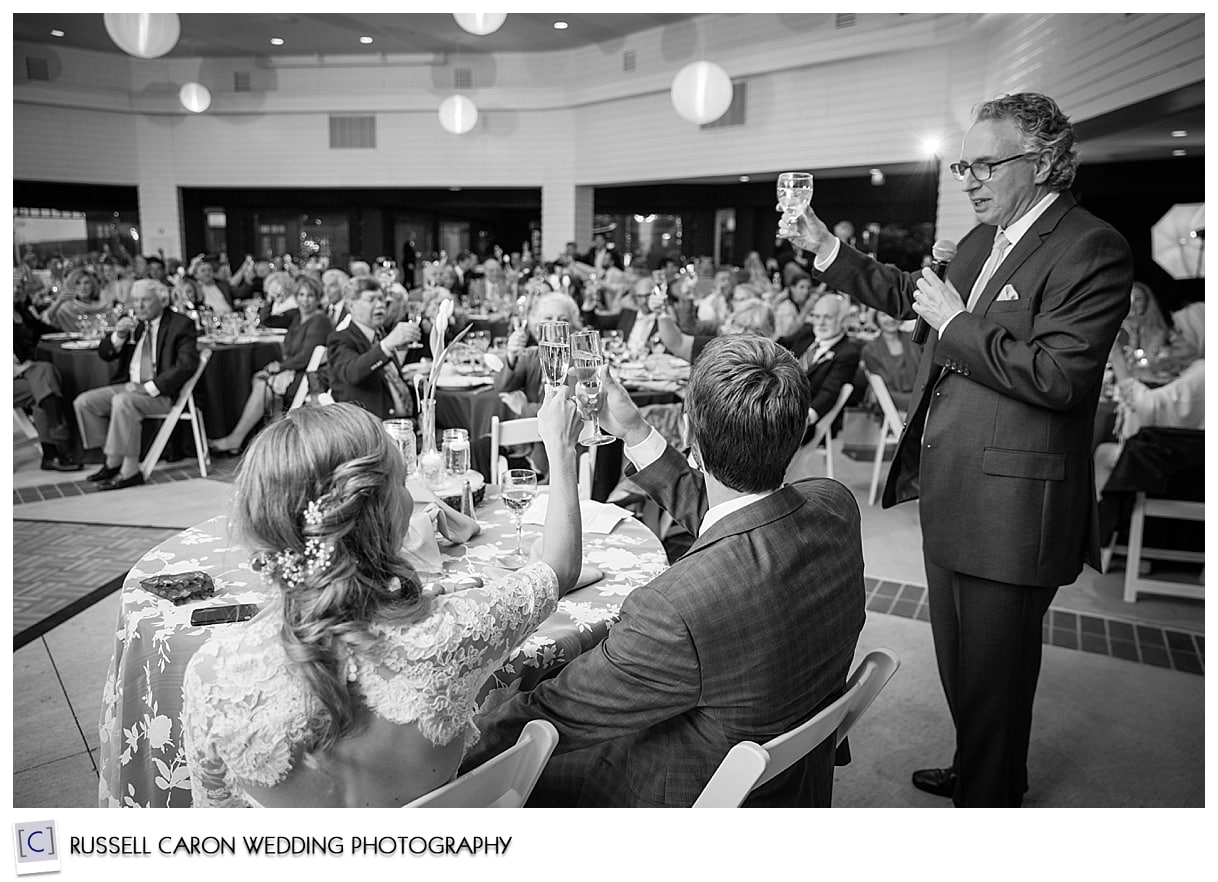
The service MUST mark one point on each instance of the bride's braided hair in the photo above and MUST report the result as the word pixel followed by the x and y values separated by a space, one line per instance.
pixel 319 493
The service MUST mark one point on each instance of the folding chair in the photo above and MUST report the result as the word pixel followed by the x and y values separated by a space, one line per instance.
pixel 890 430
pixel 184 408
pixel 508 433
pixel 822 436
pixel 24 424
pixel 504 781
pixel 302 390
pixel 748 765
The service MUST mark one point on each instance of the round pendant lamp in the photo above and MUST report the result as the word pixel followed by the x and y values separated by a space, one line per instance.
pixel 144 34
pixel 195 97
pixel 458 114
pixel 701 92
pixel 480 23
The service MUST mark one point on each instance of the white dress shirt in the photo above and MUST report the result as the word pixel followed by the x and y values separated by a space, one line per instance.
pixel 153 327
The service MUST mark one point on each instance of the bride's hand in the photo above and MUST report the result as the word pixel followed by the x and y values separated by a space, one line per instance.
pixel 558 421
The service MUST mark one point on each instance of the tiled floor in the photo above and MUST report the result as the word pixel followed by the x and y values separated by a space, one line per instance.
pixel 60 674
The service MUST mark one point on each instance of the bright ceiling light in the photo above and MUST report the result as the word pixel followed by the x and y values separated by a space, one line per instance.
pixel 1179 153
pixel 561 26
pixel 56 32
pixel 276 41
pixel 143 34
pixel 1179 133
pixel 701 92
pixel 931 145
pixel 458 114
pixel 480 23
pixel 365 39
pixel 744 179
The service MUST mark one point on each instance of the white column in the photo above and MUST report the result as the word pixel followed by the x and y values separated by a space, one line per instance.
pixel 566 216
pixel 159 202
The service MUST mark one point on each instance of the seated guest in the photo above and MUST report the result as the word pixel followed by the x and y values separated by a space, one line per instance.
pixel 154 354
pixel 363 361
pixel 79 300
pixel 1179 404
pixel 830 359
pixel 186 299
pixel 646 717
pixel 280 307
pixel 1144 327
pixel 635 318
pixel 247 281
pixel 216 292
pixel 749 317
pixel 353 688
pixel 37 386
pixel 893 356
pixel 115 289
pixel 277 381
pixel 332 281
pixel 754 273
pixel 794 302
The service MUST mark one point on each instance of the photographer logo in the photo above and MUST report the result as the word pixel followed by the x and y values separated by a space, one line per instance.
pixel 36 847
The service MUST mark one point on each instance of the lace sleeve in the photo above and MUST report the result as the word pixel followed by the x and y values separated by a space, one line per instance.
pixel 209 787
pixel 430 671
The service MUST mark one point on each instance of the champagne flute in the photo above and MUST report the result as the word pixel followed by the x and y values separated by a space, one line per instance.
pixel 518 489
pixel 554 351
pixel 414 315
pixel 587 361
pixel 794 196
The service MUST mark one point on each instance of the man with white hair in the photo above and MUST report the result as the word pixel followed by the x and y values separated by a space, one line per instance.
pixel 154 354
pixel 830 358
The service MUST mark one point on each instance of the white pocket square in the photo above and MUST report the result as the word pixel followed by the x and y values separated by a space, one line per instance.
pixel 1007 293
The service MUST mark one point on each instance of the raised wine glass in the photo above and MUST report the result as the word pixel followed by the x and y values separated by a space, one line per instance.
pixel 586 362
pixel 794 196
pixel 518 489
pixel 554 351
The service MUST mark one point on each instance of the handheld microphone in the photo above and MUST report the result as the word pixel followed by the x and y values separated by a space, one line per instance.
pixel 941 256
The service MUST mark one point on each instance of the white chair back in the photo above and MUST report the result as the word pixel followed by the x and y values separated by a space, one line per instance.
pixel 24 424
pixel 504 781
pixel 183 409
pixel 822 440
pixel 748 765
pixel 890 430
pixel 316 360
pixel 508 433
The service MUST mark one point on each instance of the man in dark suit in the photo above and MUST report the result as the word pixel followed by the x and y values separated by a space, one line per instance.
pixel 153 358
pixel 743 638
pixel 998 441
pixel 829 357
pixel 215 291
pixel 600 256
pixel 363 361
pixel 38 387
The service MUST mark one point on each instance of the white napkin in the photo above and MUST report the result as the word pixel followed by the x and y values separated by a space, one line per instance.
pixel 597 517
pixel 421 548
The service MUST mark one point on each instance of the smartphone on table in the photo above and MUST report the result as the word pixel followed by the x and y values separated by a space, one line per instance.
pixel 223 615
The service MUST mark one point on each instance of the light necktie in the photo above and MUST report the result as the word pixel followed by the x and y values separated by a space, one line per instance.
pixel 987 272
pixel 146 355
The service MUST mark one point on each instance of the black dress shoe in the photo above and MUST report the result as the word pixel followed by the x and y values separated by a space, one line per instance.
pixel 60 464
pixel 940 782
pixel 105 473
pixel 122 483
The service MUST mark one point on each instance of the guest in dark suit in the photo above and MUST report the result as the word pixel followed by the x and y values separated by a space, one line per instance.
pixel 743 638
pixel 600 256
pixel 279 380
pixel 153 358
pixel 998 441
pixel 37 385
pixel 363 361
pixel 215 292
pixel 830 359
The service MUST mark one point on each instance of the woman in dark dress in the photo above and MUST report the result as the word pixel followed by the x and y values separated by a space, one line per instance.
pixel 279 379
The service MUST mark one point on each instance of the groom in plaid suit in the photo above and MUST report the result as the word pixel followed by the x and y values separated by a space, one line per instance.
pixel 743 638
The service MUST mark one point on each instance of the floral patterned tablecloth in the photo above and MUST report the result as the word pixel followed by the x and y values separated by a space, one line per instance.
pixel 142 761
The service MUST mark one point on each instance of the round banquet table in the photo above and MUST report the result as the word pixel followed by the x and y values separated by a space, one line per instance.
pixel 220 392
pixel 142 763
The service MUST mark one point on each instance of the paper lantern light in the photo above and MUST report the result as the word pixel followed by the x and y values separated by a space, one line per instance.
pixel 458 114
pixel 480 23
pixel 701 92
pixel 195 97
pixel 144 34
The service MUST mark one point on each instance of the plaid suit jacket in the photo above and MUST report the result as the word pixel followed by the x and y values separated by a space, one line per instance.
pixel 743 638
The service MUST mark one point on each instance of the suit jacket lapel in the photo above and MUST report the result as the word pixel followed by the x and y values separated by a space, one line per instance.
pixel 1024 248
pixel 777 505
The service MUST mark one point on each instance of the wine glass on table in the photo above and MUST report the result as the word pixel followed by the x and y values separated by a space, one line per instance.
pixel 554 351
pixel 518 489
pixel 794 196
pixel 587 361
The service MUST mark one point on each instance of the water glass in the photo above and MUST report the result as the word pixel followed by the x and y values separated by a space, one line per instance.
pixel 402 434
pixel 455 447
pixel 794 195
